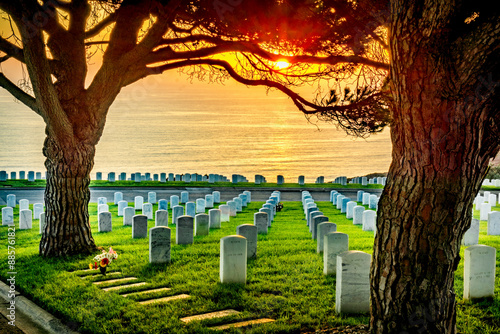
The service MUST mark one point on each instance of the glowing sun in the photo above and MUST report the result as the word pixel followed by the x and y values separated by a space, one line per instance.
pixel 281 64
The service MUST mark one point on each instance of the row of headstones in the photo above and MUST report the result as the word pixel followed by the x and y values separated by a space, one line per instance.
pixel 353 273
pixel 352 268
pixel 492 182
pixel 265 217
pixel 485 206
pixel 221 214
pixel 236 249
pixel 364 181
pixel 31 175
pixel 163 177
pixel 360 216
pixel 186 228
pixel 26 215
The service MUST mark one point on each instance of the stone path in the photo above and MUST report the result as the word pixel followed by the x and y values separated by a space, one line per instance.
pixel 118 284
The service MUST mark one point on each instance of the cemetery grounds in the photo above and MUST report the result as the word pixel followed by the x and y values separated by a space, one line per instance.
pixel 285 282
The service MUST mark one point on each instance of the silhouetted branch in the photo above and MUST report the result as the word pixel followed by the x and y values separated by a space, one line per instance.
pixel 366 112
pixel 19 94
pixel 11 50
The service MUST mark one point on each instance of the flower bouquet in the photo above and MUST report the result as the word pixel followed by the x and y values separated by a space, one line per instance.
pixel 103 260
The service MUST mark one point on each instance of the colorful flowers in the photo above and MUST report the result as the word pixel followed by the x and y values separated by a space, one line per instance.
pixel 104 259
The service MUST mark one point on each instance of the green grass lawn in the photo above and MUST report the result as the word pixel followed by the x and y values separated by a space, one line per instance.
pixel 285 282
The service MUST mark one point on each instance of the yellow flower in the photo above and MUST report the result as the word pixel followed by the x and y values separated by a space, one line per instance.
pixel 104 262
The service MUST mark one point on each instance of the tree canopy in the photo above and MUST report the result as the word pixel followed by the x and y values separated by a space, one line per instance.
pixel 210 39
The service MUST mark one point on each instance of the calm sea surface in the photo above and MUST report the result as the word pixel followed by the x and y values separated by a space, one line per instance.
pixel 202 129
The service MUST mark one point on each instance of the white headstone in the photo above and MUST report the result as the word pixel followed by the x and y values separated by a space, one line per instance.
pixel 232 208
pixel 201 224
pixel 369 220
pixel 216 195
pixel 471 237
pixel 174 200
pixel 138 202
pixel 159 244
pixel 349 209
pixel 102 200
pixel 139 226
pixel 200 205
pixel 260 220
pixel 315 221
pixel 366 199
pixel 184 196
pixel 239 204
pixel 11 200
pixel 215 218
pixel 7 216
pixel 152 197
pixel 37 210
pixel 24 204
pixel 128 216
pixel 352 293
pixel 121 206
pixel 209 201
pixel 190 209
pixel 224 212
pixel 244 201
pixel 494 223
pixel 147 210
pixel 492 199
pixel 312 213
pixel 479 272
pixel 104 222
pixel 357 215
pixel 177 211
pixel 161 218
pixel 334 243
pixel 373 202
pixel 249 232
pixel 117 197
pixel 340 198
pixel 41 225
pixel 269 215
pixel 233 259
pixel 322 230
pixel 484 211
pixel 102 208
pixel 25 219
pixel 184 232
pixel 249 196
pixel 163 204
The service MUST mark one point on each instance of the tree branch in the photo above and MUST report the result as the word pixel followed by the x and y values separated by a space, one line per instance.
pixel 19 94
pixel 59 4
pixel 11 50
pixel 222 46
pixel 80 11
pixel 299 101
pixel 96 30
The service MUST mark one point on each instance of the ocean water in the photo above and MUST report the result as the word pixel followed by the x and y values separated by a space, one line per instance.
pixel 193 128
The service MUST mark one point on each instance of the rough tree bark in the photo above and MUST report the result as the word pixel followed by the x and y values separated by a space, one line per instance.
pixel 443 138
pixel 67 195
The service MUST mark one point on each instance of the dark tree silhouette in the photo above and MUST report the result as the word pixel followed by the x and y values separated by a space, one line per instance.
pixel 428 68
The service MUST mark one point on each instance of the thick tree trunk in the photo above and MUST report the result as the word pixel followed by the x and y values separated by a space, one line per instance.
pixel 67 195
pixel 441 135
